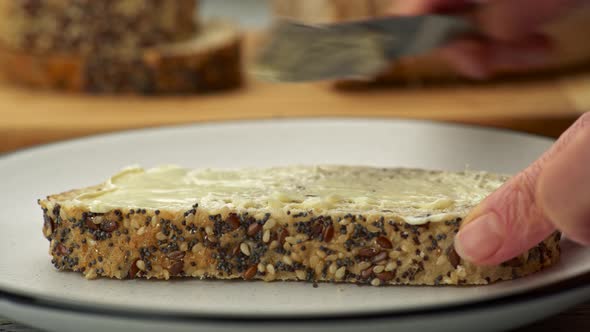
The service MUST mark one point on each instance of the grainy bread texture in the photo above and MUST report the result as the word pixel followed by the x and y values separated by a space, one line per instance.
pixel 209 61
pixel 316 224
pixel 109 27
pixel 570 52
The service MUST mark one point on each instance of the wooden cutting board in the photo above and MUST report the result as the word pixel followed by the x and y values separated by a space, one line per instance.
pixel 543 105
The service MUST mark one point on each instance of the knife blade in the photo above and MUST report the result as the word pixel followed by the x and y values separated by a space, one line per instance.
pixel 295 52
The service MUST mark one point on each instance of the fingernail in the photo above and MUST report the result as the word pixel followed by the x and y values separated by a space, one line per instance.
pixel 480 238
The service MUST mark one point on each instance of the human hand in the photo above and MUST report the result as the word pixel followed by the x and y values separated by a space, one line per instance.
pixel 511 39
pixel 551 194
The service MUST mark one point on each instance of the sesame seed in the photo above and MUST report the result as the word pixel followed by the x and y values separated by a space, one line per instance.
pixel 321 253
pixel 378 268
pixel 300 274
pixel 340 272
pixel 287 260
pixel 332 269
pixel 390 266
pixel 140 265
pixel 261 268
pixel 245 249
pixel 266 236
pixel 376 282
pixel 364 265
pixel 313 261
pixel 270 268
pixel 273 245
pixel 160 236
pixel 287 246
pixel 269 224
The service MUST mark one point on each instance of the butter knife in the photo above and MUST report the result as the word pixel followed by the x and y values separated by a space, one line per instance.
pixel 295 52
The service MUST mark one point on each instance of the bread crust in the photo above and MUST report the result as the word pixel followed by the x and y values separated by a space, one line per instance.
pixel 257 245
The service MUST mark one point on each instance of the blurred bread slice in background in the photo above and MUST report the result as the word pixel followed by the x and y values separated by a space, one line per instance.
pixel 567 33
pixel 209 61
pixel 117 27
pixel 117 46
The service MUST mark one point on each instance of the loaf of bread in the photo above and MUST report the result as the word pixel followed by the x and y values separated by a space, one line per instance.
pixel 117 46
pixel 209 61
pixel 108 27
pixel 570 52
pixel 363 225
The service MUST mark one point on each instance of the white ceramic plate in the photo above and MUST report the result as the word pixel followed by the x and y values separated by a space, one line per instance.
pixel 32 292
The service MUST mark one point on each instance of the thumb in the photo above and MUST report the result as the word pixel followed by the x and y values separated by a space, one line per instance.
pixel 553 193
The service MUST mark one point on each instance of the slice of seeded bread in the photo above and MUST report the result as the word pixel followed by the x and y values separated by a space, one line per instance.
pixel 209 61
pixel 330 223
pixel 108 27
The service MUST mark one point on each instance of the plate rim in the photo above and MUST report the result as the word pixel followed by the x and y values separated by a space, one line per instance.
pixel 21 298
pixel 567 286
pixel 377 119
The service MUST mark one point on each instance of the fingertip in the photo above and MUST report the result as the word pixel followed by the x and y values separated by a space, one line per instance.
pixel 505 224
pixel 479 240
